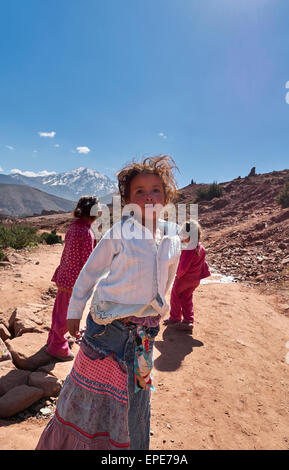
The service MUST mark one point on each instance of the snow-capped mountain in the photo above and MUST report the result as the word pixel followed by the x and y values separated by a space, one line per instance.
pixel 69 185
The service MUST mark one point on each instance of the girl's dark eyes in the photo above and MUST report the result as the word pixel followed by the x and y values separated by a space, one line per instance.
pixel 156 190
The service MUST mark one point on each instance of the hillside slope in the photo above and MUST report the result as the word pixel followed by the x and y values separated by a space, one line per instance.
pixel 20 201
pixel 245 231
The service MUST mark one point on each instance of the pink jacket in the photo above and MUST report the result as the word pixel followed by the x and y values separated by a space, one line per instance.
pixel 193 265
pixel 79 243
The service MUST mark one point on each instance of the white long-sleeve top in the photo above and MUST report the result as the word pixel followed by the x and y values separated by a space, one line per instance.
pixel 128 268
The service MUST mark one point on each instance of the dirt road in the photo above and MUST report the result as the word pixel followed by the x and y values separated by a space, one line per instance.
pixel 224 388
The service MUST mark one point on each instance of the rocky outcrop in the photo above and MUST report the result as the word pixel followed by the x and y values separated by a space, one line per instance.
pixel 252 172
pixel 27 373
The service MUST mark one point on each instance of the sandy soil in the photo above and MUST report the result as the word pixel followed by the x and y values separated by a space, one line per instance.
pixel 225 387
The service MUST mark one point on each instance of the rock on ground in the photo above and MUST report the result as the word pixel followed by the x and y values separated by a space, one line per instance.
pixel 49 384
pixel 18 399
pixel 4 332
pixel 28 351
pixel 60 370
pixel 11 377
pixel 29 318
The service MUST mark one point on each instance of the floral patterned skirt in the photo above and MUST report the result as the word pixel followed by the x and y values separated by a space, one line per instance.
pixel 105 400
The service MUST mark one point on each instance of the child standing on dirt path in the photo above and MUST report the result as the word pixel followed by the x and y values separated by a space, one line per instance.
pixel 79 243
pixel 105 400
pixel 191 269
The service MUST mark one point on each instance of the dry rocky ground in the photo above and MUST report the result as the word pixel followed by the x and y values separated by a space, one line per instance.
pixel 225 387
pixel 246 231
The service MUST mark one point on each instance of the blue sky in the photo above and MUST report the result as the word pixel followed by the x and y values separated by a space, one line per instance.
pixel 95 83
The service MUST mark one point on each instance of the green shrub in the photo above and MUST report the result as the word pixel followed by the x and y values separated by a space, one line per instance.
pixel 2 255
pixel 214 190
pixel 51 238
pixel 17 236
pixel 283 196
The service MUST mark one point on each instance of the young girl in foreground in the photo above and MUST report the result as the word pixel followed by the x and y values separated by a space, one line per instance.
pixel 191 269
pixel 105 400
pixel 79 243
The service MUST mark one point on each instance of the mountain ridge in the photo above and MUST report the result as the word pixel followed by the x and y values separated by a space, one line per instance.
pixel 70 185
pixel 22 201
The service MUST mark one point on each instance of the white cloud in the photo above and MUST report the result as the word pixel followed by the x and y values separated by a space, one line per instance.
pixel 47 134
pixel 35 151
pixel 1 169
pixel 32 173
pixel 56 145
pixel 9 147
pixel 84 150
pixel 46 173
pixel 161 134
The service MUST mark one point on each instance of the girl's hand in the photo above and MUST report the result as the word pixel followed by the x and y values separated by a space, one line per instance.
pixel 73 327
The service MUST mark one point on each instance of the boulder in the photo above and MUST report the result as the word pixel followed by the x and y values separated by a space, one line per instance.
pixel 29 318
pixel 60 370
pixel 18 399
pixel 282 246
pixel 260 226
pixel 28 351
pixel 4 319
pixel 4 332
pixel 50 385
pixel 10 376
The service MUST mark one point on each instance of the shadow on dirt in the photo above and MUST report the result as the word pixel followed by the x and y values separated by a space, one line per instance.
pixel 174 347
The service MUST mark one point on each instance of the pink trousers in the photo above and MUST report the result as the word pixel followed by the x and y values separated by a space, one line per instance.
pixel 182 307
pixel 57 343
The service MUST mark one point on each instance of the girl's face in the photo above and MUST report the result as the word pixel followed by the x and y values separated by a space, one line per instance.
pixel 147 190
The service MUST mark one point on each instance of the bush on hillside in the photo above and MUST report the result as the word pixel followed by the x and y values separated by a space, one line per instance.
pixel 2 255
pixel 17 236
pixel 51 238
pixel 283 196
pixel 214 190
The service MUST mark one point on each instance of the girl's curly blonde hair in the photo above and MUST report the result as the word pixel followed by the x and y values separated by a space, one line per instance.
pixel 161 165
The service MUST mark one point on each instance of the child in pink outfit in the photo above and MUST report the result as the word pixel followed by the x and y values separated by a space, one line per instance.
pixel 191 269
pixel 79 243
